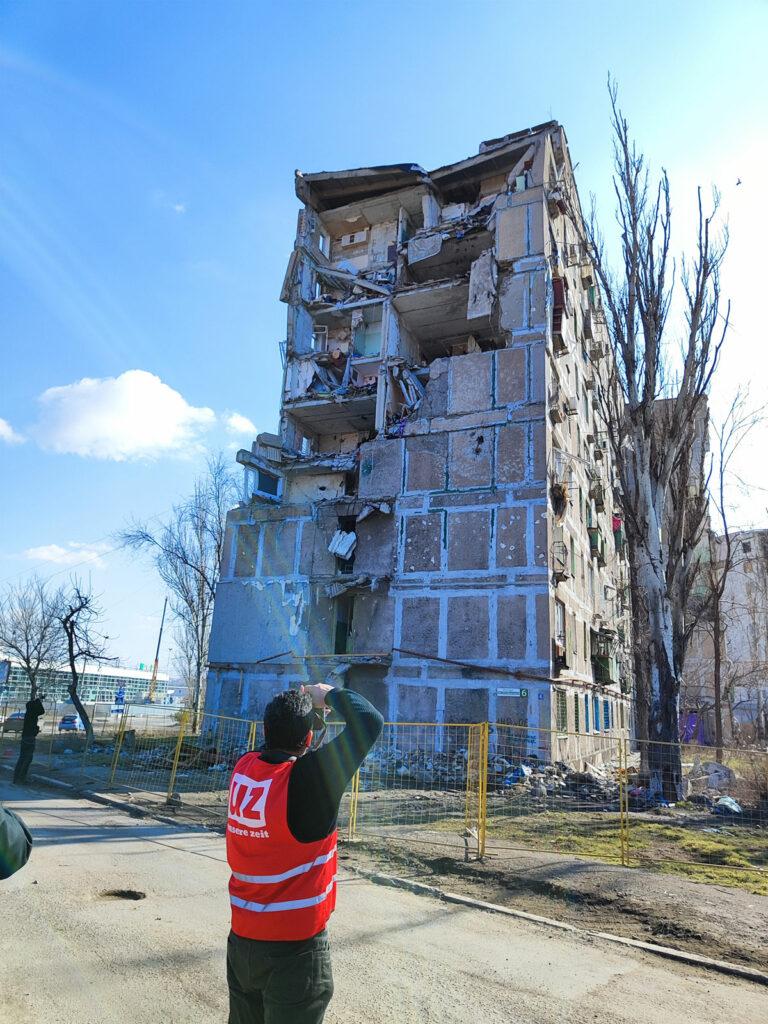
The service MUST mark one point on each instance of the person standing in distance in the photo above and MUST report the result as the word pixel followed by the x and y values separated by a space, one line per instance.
pixel 281 848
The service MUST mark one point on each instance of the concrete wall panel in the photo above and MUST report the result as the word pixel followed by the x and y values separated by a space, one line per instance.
pixel 510 376
pixel 423 542
pixel 375 550
pixel 511 453
pixel 511 232
pixel 469 535
pixel 420 624
pixel 247 550
pixel 471 383
pixel 373 622
pixel 513 295
pixel 511 538
pixel 426 462
pixel 416 703
pixel 381 468
pixel 468 628
pixel 470 458
pixel 470 705
pixel 279 549
pixel 511 630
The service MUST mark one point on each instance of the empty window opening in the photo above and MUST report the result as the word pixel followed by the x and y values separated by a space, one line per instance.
pixel 346 565
pixel 343 630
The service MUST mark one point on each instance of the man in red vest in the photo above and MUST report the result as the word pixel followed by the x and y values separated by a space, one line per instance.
pixel 281 847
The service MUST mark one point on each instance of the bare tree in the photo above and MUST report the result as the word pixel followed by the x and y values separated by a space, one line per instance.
pixel 79 617
pixel 30 633
pixel 187 553
pixel 656 411
pixel 708 610
pixel 30 630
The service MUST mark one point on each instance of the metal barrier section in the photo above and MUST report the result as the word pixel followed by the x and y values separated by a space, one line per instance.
pixel 423 782
pixel 699 811
pixel 472 788
pixel 556 791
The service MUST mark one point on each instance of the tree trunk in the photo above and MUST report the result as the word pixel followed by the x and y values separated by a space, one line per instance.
pixel 658 680
pixel 718 680
pixel 79 706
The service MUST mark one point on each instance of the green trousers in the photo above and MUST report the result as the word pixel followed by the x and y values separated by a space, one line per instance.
pixel 278 982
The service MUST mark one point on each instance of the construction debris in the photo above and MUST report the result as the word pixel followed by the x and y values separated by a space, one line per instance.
pixel 342 544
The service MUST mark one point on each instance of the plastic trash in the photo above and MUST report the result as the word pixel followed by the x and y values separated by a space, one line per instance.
pixel 727 805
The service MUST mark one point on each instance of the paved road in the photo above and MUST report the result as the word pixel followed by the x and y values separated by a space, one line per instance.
pixel 70 954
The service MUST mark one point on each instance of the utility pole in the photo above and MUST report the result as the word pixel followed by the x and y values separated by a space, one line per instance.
pixel 153 680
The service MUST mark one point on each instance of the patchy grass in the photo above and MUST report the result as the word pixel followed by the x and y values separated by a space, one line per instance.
pixel 719 855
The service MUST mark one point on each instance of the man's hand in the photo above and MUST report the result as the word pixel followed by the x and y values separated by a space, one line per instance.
pixel 317 692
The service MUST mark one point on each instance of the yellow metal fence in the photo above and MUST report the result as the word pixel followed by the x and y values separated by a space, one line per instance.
pixel 480 789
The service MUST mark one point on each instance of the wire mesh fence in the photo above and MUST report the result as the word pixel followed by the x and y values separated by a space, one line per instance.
pixel 419 779
pixel 474 787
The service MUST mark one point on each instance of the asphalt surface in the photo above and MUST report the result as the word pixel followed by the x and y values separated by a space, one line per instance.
pixel 71 954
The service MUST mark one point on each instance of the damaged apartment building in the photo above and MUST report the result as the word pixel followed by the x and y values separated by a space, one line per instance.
pixel 435 525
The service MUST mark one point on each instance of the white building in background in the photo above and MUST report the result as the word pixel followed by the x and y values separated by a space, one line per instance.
pixel 744 615
pixel 97 683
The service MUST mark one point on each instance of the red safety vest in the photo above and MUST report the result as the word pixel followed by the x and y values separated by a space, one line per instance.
pixel 281 890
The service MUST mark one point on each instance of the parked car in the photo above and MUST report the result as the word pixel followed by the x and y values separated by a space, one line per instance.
pixel 71 723
pixel 14 722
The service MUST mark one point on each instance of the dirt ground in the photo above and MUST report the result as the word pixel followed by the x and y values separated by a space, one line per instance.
pixel 553 864
pixel 714 920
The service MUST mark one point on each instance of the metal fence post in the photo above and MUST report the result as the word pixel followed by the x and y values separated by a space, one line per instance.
pixel 252 736
pixel 177 754
pixel 623 802
pixel 482 821
pixel 353 795
pixel 118 743
pixel 53 733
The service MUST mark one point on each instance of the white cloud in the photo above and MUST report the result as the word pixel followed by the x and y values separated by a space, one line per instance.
pixel 8 434
pixel 132 416
pixel 237 424
pixel 162 200
pixel 73 554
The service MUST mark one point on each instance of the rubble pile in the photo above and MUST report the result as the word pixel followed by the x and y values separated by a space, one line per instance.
pixel 530 779
pixel 525 779
pixel 418 769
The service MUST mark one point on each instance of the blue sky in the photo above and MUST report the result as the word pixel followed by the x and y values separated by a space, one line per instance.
pixel 147 212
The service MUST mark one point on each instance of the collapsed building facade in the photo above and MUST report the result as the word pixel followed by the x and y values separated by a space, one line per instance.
pixel 435 523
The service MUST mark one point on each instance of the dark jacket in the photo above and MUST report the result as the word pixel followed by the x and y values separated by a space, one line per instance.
pixel 320 777
pixel 15 843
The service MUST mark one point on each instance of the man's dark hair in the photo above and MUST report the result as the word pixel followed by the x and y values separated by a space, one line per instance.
pixel 287 720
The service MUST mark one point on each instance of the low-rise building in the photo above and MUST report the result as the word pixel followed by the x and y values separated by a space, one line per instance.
pixel 98 682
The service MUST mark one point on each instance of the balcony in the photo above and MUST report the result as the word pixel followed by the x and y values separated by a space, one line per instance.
pixel 601 445
pixel 603 671
pixel 597 494
pixel 596 544
pixel 561 569
pixel 619 537
pixel 559 653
